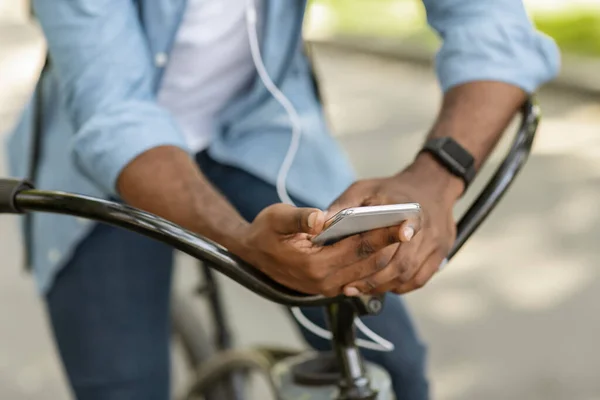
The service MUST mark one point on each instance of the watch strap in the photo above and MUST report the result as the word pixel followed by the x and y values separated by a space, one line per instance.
pixel 452 156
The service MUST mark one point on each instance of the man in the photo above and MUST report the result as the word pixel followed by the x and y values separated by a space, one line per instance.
pixel 159 103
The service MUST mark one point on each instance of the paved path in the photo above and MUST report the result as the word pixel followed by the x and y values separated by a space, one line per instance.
pixel 514 317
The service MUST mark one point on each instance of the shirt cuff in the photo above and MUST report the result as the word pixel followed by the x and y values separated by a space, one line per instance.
pixel 496 51
pixel 109 142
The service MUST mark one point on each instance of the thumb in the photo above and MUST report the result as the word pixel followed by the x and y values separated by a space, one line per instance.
pixel 287 219
pixel 410 228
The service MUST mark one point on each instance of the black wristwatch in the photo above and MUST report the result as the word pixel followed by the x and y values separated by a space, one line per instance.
pixel 453 157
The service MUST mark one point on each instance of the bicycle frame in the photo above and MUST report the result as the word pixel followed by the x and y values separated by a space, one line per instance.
pixel 19 197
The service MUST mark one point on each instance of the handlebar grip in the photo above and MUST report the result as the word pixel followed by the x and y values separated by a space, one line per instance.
pixel 9 188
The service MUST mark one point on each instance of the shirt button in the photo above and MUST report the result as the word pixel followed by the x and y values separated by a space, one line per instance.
pixel 54 256
pixel 160 60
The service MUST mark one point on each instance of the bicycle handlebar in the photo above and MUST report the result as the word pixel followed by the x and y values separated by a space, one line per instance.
pixel 158 228
pixel 18 197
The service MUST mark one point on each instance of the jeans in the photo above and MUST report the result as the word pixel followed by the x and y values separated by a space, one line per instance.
pixel 109 309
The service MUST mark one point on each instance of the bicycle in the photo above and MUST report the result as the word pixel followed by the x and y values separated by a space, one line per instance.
pixel 220 371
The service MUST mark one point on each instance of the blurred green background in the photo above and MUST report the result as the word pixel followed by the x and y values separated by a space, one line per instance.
pixel 574 24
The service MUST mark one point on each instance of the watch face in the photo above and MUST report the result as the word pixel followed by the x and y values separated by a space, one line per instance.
pixel 458 153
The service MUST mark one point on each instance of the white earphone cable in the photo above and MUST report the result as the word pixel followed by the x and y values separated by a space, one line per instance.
pixel 379 343
pixel 281 99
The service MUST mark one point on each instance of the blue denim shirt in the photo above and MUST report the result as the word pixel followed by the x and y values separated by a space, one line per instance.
pixel 106 62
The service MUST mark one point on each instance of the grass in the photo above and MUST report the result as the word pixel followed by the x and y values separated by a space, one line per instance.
pixel 575 31
pixel 575 28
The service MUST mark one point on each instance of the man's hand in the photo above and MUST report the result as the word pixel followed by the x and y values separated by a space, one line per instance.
pixel 412 262
pixel 475 114
pixel 278 242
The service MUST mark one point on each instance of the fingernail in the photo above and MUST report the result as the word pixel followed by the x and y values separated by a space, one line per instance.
pixel 311 219
pixel 408 232
pixel 351 292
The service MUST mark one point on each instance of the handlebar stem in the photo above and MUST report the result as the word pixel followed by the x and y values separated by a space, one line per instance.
pixel 354 383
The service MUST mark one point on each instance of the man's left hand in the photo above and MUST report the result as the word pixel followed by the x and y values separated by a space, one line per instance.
pixel 410 264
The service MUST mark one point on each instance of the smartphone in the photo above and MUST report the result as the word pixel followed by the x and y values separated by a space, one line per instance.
pixel 355 220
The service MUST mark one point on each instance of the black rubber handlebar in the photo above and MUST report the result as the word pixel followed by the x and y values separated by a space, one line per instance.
pixel 19 196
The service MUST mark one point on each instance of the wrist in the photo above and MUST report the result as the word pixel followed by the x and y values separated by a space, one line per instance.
pixel 224 227
pixel 428 172
pixel 236 240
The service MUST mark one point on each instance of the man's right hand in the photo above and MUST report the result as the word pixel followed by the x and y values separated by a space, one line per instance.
pixel 279 244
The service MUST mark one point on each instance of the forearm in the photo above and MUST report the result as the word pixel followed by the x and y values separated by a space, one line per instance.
pixel 475 115
pixel 166 181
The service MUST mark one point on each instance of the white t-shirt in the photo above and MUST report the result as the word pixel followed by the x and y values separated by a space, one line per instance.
pixel 210 63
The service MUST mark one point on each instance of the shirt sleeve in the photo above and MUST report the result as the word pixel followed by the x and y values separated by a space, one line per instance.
pixel 104 67
pixel 490 40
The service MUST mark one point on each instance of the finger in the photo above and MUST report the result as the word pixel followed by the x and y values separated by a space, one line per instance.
pixel 410 228
pixel 376 262
pixel 404 259
pixel 391 286
pixel 287 219
pixel 429 268
pixel 351 260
